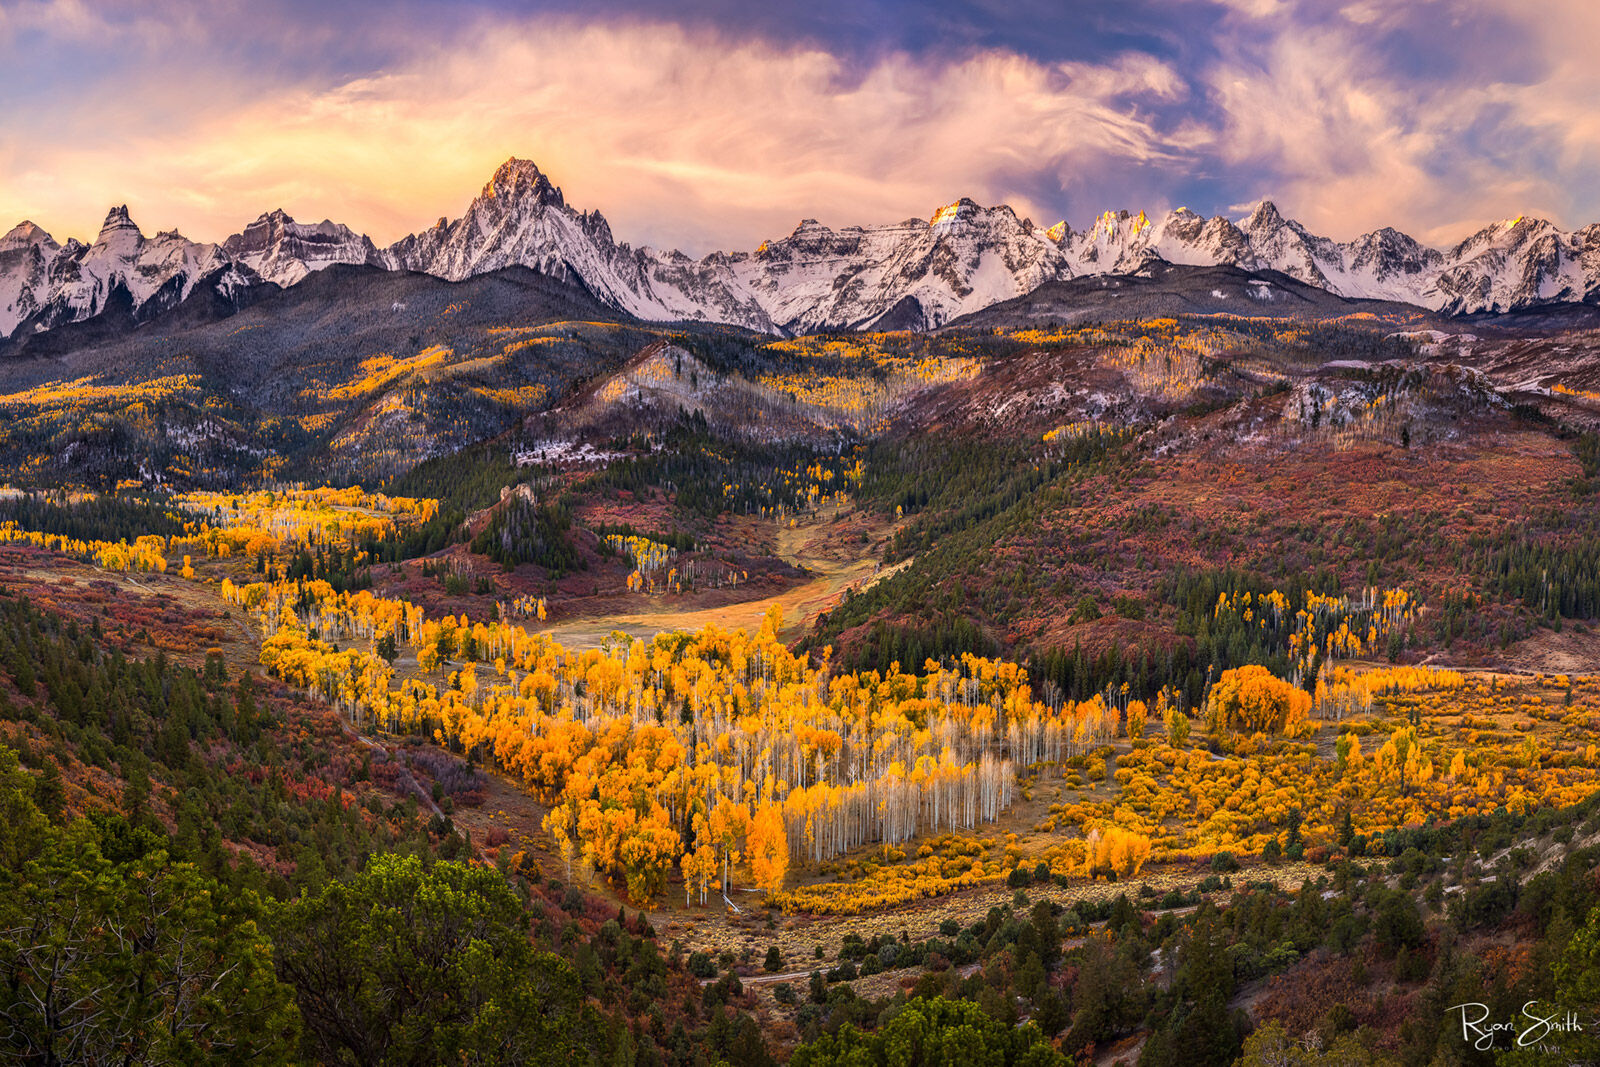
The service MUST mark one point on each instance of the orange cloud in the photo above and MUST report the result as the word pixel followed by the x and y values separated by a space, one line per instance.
pixel 679 138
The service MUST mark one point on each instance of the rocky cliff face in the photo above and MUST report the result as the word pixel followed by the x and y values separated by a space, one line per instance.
pixel 284 251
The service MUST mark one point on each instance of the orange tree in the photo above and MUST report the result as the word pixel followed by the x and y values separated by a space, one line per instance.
pixel 1254 700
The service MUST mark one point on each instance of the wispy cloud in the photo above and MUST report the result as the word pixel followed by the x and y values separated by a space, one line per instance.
pixel 679 136
pixel 1351 132
pixel 1433 115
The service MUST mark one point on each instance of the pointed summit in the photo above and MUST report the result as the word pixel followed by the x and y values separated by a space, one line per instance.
pixel 117 219
pixel 27 234
pixel 279 222
pixel 275 222
pixel 808 226
pixel 284 251
pixel 516 168
pixel 1265 217
pixel 119 227
pixel 518 178
pixel 964 208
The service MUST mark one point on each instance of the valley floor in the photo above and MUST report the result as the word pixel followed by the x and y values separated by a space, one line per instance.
pixel 837 551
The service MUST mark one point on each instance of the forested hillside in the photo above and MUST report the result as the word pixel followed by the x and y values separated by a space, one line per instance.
pixel 1158 692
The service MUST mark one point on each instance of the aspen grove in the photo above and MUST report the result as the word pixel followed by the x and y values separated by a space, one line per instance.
pixel 698 750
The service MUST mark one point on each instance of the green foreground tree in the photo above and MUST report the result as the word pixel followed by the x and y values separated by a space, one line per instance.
pixel 933 1033
pixel 415 964
pixel 111 954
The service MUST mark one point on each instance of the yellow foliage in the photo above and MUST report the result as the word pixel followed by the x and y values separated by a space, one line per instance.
pixel 1253 699
pixel 1113 849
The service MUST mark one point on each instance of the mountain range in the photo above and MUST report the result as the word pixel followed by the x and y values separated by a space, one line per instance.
pixel 914 274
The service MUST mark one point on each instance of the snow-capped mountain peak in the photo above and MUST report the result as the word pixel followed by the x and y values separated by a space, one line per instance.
pixel 1264 218
pixel 950 214
pixel 519 179
pixel 43 284
pixel 283 251
pixel 27 235
pixel 119 230
pixel 26 252
pixel 1518 262
pixel 1127 223
pixel 915 273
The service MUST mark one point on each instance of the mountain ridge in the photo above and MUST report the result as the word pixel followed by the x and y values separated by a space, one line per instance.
pixel 916 273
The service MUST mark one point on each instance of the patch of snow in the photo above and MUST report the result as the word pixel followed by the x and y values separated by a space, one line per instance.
pixel 559 452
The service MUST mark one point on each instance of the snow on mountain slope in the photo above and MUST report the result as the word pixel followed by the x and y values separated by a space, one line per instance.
pixel 1519 263
pixel 284 251
pixel 1515 264
pixel 965 257
pixel 913 274
pixel 156 272
pixel 25 256
pixel 520 218
pixel 1385 265
pixel 44 284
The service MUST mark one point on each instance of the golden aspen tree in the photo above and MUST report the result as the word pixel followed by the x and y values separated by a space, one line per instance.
pixel 1138 715
pixel 768 848
pixel 1254 700
pixel 1177 727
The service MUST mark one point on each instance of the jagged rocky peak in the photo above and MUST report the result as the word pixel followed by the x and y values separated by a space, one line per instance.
pixel 27 234
pixel 923 270
pixel 810 236
pixel 275 226
pixel 284 251
pixel 118 226
pixel 1388 251
pixel 516 179
pixel 1183 220
pixel 1266 216
pixel 272 223
pixel 967 212
pixel 1508 233
pixel 1525 224
pixel 959 211
pixel 1111 222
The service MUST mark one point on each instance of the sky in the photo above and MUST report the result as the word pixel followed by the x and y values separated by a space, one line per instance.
pixel 704 124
